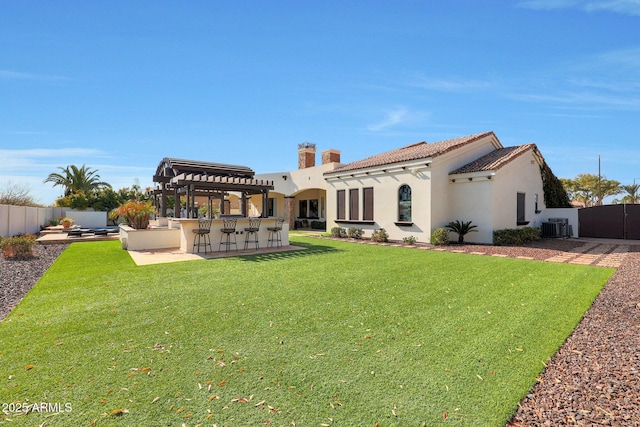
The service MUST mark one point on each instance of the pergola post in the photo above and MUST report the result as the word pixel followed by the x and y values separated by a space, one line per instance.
pixel 194 211
pixel 176 203
pixel 265 204
pixel 289 216
pixel 163 201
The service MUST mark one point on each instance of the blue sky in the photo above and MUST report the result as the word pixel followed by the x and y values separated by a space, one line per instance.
pixel 118 85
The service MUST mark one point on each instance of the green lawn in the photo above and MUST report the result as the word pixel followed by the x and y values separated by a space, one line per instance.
pixel 338 334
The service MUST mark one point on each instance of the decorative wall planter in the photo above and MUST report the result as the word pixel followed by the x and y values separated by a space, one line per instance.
pixel 151 238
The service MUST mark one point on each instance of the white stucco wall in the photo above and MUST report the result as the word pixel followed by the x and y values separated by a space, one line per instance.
pixel 87 219
pixel 432 197
pixel 385 194
pixel 492 203
pixel 442 211
pixel 522 175
pixel 292 182
pixel 473 201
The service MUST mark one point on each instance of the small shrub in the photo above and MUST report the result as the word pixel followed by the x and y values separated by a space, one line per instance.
pixel 462 228
pixel 338 232
pixel 354 233
pixel 440 237
pixel 380 235
pixel 18 246
pixel 515 236
pixel 409 240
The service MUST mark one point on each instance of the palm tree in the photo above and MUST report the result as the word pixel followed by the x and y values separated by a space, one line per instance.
pixel 632 196
pixel 461 228
pixel 75 179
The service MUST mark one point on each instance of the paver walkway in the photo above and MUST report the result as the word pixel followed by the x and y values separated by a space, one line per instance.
pixel 591 253
pixel 603 253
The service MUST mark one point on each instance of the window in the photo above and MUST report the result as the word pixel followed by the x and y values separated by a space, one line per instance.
pixel 308 208
pixel 313 208
pixel 354 213
pixel 271 207
pixel 302 209
pixel 367 204
pixel 404 204
pixel 521 218
pixel 341 204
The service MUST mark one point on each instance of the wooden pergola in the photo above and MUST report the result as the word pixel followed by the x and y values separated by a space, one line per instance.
pixel 192 178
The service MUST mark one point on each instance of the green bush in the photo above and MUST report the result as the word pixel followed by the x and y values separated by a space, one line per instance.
pixel 338 232
pixel 409 240
pixel 18 246
pixel 380 235
pixel 515 236
pixel 440 236
pixel 354 233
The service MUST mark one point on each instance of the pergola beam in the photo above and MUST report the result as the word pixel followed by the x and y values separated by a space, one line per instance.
pixel 203 179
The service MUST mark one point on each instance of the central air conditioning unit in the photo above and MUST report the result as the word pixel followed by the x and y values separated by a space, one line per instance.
pixel 556 227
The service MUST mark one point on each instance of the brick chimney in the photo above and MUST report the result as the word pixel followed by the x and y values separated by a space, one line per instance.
pixel 306 155
pixel 330 156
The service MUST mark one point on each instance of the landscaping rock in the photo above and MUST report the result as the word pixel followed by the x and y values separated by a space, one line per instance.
pixel 18 275
pixel 593 379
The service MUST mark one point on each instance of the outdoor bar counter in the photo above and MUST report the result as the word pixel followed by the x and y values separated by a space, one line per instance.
pixel 187 236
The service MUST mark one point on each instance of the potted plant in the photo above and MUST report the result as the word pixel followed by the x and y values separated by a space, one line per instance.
pixel 66 222
pixel 136 214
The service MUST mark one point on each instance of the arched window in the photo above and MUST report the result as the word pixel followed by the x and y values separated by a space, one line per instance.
pixel 404 204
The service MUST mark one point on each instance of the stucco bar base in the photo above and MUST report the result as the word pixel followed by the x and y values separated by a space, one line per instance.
pixel 178 234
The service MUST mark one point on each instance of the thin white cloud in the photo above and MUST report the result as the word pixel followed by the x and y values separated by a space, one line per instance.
pixel 583 100
pixel 603 81
pixel 26 161
pixel 17 75
pixel 399 117
pixel 446 85
pixel 392 118
pixel 32 166
pixel 626 7
pixel 51 152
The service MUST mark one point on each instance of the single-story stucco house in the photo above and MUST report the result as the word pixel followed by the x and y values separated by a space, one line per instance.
pixel 417 188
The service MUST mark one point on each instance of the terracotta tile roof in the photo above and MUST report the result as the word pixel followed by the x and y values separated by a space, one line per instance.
pixel 420 150
pixel 494 160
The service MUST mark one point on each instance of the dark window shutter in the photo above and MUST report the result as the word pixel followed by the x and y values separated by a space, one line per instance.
pixel 341 204
pixel 354 213
pixel 367 203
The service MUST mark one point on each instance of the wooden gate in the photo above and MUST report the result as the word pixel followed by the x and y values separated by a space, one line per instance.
pixel 610 222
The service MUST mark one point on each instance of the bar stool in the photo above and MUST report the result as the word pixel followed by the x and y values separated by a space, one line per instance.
pixel 252 230
pixel 228 229
pixel 202 237
pixel 274 233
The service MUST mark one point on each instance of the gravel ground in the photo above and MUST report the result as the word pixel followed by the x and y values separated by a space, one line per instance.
pixel 17 276
pixel 592 380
